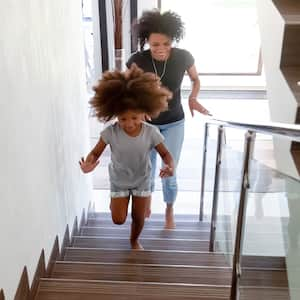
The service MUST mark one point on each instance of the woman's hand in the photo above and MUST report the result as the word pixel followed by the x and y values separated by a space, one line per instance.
pixel 166 171
pixel 87 166
pixel 195 105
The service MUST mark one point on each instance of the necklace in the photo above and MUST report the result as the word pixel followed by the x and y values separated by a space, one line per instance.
pixel 155 69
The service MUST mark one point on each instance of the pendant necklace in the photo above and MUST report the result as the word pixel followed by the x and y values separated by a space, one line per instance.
pixel 155 69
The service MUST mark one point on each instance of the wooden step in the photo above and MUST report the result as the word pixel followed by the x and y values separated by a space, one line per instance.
pixel 147 232
pixel 265 220
pixel 154 216
pixel 143 273
pixel 171 257
pixel 166 257
pixel 202 234
pixel 148 243
pixel 264 277
pixel 95 222
pixel 64 289
pixel 253 226
pixel 264 293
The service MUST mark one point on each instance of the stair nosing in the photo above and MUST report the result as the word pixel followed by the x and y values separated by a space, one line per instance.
pixel 135 282
pixel 148 229
pixel 151 250
pixel 143 265
pixel 142 238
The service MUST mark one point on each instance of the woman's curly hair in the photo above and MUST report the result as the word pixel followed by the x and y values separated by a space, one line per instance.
pixel 133 89
pixel 168 23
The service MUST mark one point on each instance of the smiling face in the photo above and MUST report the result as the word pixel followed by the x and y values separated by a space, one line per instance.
pixel 160 46
pixel 131 121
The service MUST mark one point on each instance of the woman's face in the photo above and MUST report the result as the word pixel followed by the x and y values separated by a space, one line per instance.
pixel 160 46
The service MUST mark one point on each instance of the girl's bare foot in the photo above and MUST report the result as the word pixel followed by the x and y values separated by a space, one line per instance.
pixel 135 245
pixel 169 218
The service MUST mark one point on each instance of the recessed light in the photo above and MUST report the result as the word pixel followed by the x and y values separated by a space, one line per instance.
pixel 298 83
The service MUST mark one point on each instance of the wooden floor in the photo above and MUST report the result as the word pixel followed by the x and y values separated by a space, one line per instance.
pixel 98 264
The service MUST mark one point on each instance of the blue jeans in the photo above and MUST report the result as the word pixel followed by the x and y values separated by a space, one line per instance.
pixel 174 135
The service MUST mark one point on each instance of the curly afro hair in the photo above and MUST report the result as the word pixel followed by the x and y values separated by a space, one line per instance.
pixel 167 23
pixel 133 89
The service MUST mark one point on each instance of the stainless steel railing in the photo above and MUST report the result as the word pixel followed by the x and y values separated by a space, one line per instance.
pixel 289 131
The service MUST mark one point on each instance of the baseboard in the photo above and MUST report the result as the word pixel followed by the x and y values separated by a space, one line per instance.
pixel 74 230
pixel 55 254
pixel 66 242
pixel 23 290
pixel 2 295
pixel 39 273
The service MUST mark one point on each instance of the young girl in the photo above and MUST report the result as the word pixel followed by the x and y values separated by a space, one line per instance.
pixel 129 96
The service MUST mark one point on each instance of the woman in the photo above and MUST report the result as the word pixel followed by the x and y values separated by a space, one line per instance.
pixel 169 63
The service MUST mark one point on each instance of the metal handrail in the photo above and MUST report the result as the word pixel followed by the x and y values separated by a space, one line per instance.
pixel 291 131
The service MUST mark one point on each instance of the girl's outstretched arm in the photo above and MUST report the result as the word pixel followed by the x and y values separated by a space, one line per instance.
pixel 91 161
pixel 168 169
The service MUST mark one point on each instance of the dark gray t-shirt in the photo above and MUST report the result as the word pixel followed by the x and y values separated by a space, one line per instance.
pixel 130 164
pixel 179 61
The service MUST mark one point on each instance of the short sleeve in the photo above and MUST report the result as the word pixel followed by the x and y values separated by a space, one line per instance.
pixel 157 137
pixel 106 134
pixel 132 59
pixel 189 59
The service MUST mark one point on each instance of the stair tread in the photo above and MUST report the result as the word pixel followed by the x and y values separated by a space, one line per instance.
pixel 264 293
pixel 147 232
pixel 148 243
pixel 154 216
pixel 143 272
pixel 146 256
pixel 150 223
pixel 51 288
pixel 180 233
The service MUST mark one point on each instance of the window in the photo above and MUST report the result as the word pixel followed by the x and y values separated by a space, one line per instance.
pixel 222 35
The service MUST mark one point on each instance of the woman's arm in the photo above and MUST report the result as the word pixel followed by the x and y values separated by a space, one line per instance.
pixel 91 161
pixel 193 103
pixel 168 169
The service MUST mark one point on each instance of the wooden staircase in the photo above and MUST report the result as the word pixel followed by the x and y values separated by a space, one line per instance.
pixel 98 264
pixel 175 264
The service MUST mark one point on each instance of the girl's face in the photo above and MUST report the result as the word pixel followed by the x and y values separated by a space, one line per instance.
pixel 160 46
pixel 131 121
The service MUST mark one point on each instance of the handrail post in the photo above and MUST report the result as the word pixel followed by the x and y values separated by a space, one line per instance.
pixel 203 172
pixel 240 227
pixel 215 191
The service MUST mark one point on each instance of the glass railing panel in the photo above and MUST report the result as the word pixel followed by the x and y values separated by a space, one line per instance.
pixel 229 191
pixel 271 235
pixel 209 171
pixel 292 244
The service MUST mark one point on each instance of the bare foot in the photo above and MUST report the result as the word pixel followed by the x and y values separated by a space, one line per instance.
pixel 169 218
pixel 135 245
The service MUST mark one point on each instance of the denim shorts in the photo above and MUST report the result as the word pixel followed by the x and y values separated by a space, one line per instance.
pixel 141 191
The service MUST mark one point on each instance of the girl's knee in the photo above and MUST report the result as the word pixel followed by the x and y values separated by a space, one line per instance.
pixel 118 219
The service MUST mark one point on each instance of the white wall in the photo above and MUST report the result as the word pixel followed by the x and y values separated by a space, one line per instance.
pixel 146 5
pixel 43 128
pixel 283 105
